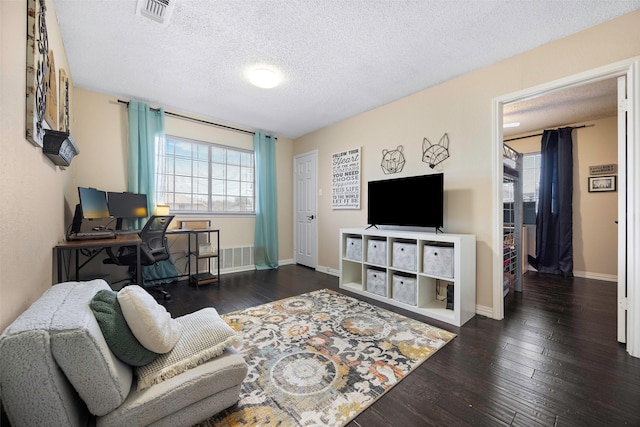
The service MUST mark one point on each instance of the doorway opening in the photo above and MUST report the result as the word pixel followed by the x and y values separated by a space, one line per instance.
pixel 628 174
pixel 594 230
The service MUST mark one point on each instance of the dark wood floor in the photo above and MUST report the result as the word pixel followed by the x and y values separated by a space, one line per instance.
pixel 553 361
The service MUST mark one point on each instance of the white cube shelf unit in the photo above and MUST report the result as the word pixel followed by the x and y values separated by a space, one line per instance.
pixel 422 258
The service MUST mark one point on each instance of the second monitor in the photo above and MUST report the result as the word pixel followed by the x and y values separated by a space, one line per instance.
pixel 127 206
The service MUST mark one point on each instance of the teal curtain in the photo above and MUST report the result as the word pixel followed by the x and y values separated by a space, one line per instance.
pixel 146 130
pixel 266 233
pixel 146 135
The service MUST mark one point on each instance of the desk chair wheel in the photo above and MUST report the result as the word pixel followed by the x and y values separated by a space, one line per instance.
pixel 159 293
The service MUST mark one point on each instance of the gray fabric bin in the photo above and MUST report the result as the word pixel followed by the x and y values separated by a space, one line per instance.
pixel 404 256
pixel 377 252
pixel 438 260
pixel 377 281
pixel 354 248
pixel 404 289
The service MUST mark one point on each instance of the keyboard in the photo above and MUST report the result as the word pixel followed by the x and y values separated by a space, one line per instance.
pixel 125 232
pixel 89 235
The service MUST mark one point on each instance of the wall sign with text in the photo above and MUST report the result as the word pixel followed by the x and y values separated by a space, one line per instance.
pixel 345 179
pixel 603 169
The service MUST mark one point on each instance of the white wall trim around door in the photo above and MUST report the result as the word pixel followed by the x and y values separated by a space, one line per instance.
pixel 630 68
pixel 483 310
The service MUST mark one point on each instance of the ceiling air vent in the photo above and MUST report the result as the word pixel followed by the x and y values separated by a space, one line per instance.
pixel 157 10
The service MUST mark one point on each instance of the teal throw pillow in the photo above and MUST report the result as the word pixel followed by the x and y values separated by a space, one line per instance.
pixel 121 341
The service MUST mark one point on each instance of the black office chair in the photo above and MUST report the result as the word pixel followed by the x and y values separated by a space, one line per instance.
pixel 153 249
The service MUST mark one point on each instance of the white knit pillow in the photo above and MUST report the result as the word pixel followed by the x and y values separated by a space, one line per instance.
pixel 205 336
pixel 149 321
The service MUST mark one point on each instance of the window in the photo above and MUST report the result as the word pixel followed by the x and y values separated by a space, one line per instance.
pixel 530 186
pixel 530 183
pixel 531 177
pixel 200 177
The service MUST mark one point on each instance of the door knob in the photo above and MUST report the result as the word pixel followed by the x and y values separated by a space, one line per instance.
pixel 311 217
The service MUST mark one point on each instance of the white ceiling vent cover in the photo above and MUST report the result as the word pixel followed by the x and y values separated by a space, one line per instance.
pixel 158 10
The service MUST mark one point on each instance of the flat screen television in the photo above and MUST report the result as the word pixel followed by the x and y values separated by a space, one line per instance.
pixel 416 201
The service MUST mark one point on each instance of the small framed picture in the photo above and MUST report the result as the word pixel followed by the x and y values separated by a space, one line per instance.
pixel 599 184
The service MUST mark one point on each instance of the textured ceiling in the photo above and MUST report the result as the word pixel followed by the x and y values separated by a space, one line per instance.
pixel 338 58
pixel 589 101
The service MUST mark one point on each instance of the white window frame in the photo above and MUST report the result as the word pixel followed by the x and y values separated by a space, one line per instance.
pixel 206 182
pixel 536 177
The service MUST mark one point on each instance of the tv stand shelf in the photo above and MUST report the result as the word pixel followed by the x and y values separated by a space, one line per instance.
pixel 412 270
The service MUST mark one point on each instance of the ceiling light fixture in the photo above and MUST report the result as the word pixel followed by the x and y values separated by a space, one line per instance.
pixel 511 125
pixel 264 78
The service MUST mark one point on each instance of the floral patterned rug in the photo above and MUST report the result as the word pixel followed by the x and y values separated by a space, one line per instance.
pixel 321 358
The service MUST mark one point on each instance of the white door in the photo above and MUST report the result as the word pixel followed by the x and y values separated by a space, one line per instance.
pixel 305 215
pixel 623 120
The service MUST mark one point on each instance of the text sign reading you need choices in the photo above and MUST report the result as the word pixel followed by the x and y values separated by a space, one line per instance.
pixel 346 179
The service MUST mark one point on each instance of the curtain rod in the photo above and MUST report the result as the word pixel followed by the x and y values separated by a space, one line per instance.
pixel 540 134
pixel 180 116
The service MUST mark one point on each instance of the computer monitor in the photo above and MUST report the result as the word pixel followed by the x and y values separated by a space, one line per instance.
pixel 93 203
pixel 124 206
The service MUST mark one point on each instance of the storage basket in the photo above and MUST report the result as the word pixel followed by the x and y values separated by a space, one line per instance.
pixel 404 256
pixel 404 289
pixel 377 252
pixel 354 248
pixel 377 281
pixel 438 260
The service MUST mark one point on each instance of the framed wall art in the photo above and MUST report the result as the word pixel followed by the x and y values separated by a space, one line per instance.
pixel 38 74
pixel 51 98
pixel 63 105
pixel 599 184
pixel 345 183
pixel 603 169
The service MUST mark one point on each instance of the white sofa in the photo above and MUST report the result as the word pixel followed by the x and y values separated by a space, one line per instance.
pixel 56 369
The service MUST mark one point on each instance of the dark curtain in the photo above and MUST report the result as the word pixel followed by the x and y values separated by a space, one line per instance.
pixel 554 246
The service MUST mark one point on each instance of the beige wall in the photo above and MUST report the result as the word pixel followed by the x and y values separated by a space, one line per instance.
pixel 35 196
pixel 462 108
pixel 101 133
pixel 595 239
pixel 31 187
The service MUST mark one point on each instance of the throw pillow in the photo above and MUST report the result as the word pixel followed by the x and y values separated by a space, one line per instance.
pixel 149 321
pixel 205 336
pixel 116 332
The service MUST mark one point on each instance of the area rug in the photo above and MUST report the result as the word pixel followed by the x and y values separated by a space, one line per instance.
pixel 321 358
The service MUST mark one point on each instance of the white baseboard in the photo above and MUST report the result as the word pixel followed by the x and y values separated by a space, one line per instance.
pixel 483 310
pixel 237 269
pixel 252 267
pixel 596 276
pixel 328 270
pixel 588 275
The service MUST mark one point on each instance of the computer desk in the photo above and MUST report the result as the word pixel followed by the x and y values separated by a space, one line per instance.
pixel 99 244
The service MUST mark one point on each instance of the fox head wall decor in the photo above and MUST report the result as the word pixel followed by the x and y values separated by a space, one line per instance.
pixel 434 154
